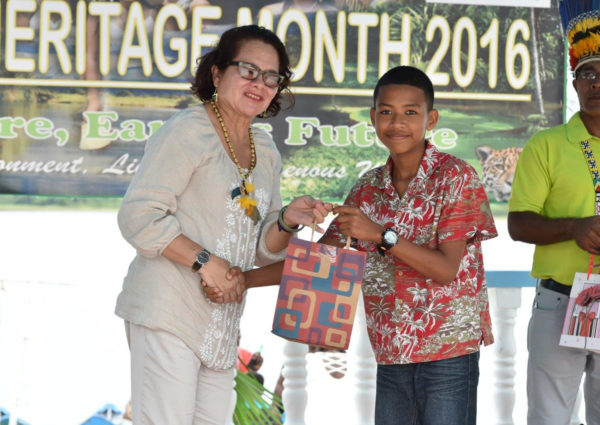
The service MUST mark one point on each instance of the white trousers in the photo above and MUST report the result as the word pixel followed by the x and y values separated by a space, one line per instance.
pixel 169 385
pixel 554 372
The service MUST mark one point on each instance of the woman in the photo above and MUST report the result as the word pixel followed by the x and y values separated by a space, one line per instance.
pixel 205 198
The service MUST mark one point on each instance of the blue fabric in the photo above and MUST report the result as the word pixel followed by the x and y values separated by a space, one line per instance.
pixel 442 392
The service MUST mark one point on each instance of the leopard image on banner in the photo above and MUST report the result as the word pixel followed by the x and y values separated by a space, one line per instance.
pixel 498 170
pixel 318 294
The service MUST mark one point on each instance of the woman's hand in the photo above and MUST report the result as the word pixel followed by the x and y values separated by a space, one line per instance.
pixel 355 224
pixel 306 210
pixel 214 274
pixel 216 295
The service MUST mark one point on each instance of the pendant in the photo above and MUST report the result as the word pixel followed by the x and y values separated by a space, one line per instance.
pixel 248 204
pixel 236 192
pixel 244 189
pixel 254 215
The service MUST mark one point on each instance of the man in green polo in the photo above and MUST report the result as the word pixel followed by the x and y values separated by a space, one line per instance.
pixel 553 206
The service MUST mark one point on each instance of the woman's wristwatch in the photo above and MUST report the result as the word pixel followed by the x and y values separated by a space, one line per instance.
pixel 201 259
pixel 389 238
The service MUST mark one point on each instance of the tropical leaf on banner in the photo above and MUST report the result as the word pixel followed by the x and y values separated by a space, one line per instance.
pixel 255 404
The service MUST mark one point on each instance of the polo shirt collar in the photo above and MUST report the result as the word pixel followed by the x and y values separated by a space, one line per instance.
pixel 576 131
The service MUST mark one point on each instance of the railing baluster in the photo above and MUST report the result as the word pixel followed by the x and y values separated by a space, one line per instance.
pixel 294 395
pixel 507 301
pixel 362 368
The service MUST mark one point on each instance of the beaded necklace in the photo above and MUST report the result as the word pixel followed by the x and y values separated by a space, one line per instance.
pixel 246 188
pixel 593 166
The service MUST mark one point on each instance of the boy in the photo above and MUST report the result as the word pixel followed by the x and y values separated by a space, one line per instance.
pixel 421 219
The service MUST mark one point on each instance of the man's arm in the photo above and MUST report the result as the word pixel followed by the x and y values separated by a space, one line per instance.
pixel 530 227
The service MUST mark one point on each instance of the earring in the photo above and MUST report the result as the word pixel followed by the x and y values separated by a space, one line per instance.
pixel 214 95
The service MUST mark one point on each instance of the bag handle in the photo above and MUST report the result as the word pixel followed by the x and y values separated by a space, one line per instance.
pixel 312 235
pixel 586 308
pixel 591 266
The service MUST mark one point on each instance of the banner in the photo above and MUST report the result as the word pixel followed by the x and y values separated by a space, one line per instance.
pixel 85 83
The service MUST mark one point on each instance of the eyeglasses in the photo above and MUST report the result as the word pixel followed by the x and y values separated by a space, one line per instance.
pixel 588 76
pixel 251 72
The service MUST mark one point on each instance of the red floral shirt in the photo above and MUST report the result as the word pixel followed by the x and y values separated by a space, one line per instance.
pixel 410 318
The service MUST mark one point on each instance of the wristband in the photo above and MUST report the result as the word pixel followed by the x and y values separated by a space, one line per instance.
pixel 284 227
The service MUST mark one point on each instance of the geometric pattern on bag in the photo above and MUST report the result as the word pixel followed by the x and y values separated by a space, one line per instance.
pixel 318 294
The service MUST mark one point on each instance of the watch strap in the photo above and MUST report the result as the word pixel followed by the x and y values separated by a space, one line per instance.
pixel 385 246
pixel 199 261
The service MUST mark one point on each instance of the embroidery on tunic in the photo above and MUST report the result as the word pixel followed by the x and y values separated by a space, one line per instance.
pixel 238 246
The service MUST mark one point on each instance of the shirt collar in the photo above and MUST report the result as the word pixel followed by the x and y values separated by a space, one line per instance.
pixel 429 162
pixel 576 131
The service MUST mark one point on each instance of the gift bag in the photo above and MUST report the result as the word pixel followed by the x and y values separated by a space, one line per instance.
pixel 318 293
pixel 580 327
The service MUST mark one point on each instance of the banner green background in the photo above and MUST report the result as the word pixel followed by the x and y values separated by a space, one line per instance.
pixel 498 74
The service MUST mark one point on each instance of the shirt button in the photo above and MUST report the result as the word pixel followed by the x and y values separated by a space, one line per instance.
pixel 399 273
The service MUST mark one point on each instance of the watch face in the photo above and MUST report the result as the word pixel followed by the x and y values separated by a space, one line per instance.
pixel 390 237
pixel 203 256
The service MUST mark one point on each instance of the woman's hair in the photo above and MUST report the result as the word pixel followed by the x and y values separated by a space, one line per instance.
pixel 228 47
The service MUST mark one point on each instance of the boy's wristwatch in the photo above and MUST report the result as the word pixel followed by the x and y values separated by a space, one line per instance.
pixel 201 259
pixel 389 238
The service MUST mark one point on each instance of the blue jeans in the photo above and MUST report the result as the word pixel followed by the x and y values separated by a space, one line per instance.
pixel 443 392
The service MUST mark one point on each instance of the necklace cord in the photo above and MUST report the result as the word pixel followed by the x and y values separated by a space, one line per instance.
pixel 244 191
pixel 228 142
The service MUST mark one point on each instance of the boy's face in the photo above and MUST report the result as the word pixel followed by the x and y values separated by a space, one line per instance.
pixel 401 118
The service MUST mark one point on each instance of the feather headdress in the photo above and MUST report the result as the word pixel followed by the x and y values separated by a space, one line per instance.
pixel 581 22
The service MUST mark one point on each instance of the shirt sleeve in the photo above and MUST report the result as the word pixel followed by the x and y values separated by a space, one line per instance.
pixel 465 213
pixel 146 217
pixel 531 183
pixel 263 255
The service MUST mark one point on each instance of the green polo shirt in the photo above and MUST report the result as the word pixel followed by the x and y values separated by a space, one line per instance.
pixel 552 179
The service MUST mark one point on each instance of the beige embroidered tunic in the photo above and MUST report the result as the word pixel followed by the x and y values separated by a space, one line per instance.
pixel 183 186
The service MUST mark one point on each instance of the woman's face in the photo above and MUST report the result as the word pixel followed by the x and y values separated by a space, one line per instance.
pixel 238 96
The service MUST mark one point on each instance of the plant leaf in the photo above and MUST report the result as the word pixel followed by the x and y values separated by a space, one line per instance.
pixel 255 404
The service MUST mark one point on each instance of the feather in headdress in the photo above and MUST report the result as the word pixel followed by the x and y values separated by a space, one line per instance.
pixel 581 22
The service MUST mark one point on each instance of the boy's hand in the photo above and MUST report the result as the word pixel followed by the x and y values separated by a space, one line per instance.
pixel 354 223
pixel 236 274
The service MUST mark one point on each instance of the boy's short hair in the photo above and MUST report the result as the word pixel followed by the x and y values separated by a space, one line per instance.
pixel 410 76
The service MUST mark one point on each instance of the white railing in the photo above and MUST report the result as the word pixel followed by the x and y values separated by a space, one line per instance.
pixel 505 304
pixel 307 385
